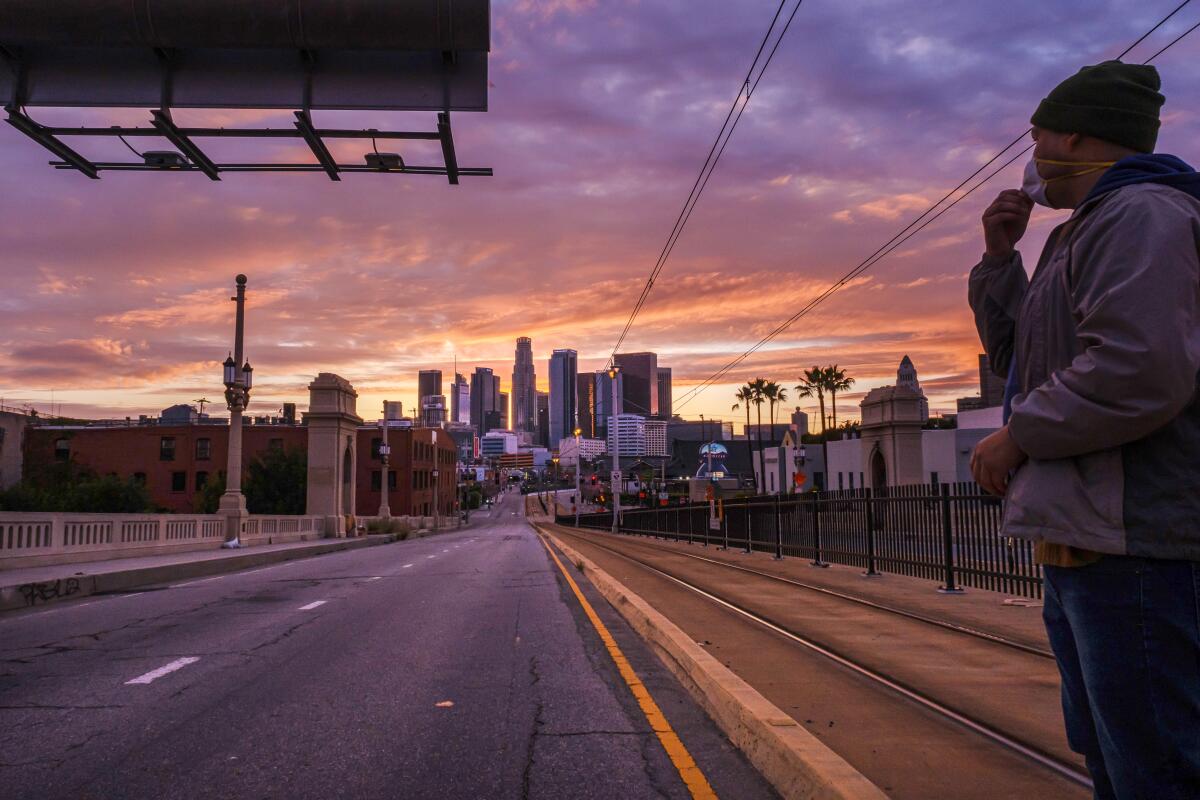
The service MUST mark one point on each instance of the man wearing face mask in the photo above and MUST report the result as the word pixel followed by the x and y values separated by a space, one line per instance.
pixel 1099 457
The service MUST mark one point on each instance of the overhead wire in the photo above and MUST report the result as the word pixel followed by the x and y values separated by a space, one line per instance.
pixel 920 222
pixel 745 89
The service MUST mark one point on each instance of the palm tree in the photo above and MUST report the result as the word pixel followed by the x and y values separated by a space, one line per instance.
pixel 744 395
pixel 836 381
pixel 812 382
pixel 758 397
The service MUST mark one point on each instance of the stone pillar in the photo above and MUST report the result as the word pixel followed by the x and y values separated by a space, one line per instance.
pixel 332 436
pixel 892 419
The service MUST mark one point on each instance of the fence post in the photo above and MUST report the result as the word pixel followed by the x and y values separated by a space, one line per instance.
pixel 778 532
pixel 749 527
pixel 725 529
pixel 871 571
pixel 947 544
pixel 816 523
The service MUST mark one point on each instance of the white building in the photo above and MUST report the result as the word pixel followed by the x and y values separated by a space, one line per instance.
pixel 589 449
pixel 498 443
pixel 632 438
pixel 656 437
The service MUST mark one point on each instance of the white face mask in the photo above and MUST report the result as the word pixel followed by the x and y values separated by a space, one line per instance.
pixel 1034 184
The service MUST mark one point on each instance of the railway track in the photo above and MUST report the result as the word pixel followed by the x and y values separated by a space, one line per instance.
pixel 950 625
pixel 1015 743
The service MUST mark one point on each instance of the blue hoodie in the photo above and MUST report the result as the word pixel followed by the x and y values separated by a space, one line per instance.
pixel 1143 168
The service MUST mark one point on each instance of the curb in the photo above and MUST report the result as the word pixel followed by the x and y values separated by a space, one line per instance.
pixel 794 761
pixel 14 597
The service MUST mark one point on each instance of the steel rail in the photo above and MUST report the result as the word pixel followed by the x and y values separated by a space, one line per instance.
pixel 993 734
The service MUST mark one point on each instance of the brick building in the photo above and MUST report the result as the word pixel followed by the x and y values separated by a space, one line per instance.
pixel 175 461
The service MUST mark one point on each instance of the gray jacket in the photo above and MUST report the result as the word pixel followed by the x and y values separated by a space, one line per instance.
pixel 1107 341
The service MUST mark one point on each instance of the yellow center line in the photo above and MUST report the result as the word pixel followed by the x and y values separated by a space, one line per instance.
pixel 693 778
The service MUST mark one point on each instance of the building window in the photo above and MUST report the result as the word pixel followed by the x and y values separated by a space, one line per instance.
pixel 178 481
pixel 391 480
pixel 62 449
pixel 376 443
pixel 139 478
pixel 842 475
pixel 203 449
pixel 376 480
pixel 166 448
pixel 201 479
pixel 275 444
pixel 933 478
pixel 851 480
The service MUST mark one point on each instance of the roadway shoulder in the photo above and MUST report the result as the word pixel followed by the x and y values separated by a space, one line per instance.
pixel 795 762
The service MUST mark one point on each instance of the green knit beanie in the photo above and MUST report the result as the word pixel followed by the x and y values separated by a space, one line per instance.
pixel 1113 101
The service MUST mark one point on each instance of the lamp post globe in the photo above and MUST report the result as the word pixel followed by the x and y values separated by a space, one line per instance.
pixel 230 370
pixel 247 376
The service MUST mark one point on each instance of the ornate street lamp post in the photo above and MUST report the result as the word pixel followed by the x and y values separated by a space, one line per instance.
pixel 238 382
pixel 384 453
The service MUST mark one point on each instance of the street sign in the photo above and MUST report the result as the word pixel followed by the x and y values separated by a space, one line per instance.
pixel 616 476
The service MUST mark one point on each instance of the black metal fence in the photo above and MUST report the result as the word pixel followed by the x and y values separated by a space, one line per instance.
pixel 949 533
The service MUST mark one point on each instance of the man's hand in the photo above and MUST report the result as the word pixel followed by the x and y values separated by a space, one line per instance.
pixel 1005 221
pixel 994 458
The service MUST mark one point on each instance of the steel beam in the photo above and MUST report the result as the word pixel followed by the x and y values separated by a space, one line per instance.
pixel 305 126
pixel 447 138
pixel 35 131
pixel 166 126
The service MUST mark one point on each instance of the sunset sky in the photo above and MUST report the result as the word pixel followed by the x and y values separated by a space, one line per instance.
pixel 115 292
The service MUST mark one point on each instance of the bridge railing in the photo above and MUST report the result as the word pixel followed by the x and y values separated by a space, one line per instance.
pixel 948 532
pixel 33 539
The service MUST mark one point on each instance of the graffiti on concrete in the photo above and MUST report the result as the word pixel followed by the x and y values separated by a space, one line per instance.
pixel 49 590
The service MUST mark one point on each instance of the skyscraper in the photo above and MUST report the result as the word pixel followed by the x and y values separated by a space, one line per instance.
pixel 991 385
pixel 429 384
pixel 664 393
pixel 641 382
pixel 460 400
pixel 503 407
pixel 524 387
pixel 604 410
pixel 563 375
pixel 484 388
pixel 585 397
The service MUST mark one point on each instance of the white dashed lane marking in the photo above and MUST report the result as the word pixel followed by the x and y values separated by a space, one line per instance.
pixel 406 566
pixel 313 605
pixel 165 669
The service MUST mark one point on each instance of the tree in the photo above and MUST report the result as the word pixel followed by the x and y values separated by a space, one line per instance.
pixel 812 382
pixel 835 381
pixel 276 482
pixel 744 395
pixel 757 396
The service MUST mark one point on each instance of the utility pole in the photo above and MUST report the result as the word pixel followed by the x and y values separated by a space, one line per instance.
pixel 578 468
pixel 616 454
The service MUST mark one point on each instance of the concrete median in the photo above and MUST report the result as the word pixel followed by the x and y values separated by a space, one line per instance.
pixel 796 763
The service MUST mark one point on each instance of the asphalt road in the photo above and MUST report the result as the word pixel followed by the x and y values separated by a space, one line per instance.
pixel 454 666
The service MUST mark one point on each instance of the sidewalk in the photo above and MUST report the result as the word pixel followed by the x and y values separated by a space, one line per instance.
pixel 35 586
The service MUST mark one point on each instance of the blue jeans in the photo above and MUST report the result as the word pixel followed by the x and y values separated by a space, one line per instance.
pixel 1126 633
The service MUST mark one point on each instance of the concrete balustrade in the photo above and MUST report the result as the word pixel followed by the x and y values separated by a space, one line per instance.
pixel 30 539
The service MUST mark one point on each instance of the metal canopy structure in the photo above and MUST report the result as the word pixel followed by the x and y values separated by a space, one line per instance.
pixel 299 55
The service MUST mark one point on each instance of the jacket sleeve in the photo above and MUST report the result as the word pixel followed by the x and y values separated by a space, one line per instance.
pixel 995 290
pixel 1135 292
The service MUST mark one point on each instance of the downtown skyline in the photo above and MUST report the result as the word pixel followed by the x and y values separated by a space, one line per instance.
pixel 597 125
